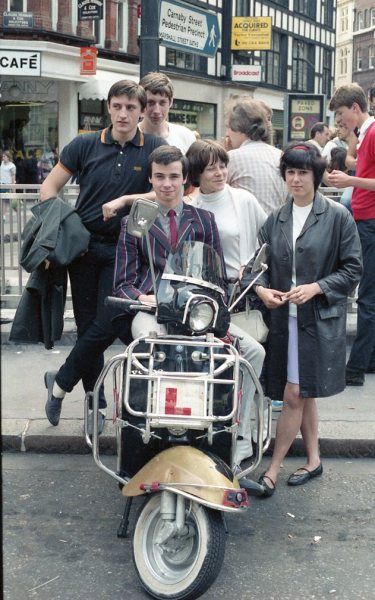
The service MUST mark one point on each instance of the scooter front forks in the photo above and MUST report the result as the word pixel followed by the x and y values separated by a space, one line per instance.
pixel 172 512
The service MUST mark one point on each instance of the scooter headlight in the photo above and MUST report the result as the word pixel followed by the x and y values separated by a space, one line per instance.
pixel 201 316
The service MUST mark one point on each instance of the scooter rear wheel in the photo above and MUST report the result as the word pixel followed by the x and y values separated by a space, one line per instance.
pixel 182 568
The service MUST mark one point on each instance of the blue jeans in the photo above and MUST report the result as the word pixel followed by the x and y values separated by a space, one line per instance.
pixel 363 350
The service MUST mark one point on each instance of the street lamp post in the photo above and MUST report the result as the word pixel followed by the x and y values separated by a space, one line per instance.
pixel 149 40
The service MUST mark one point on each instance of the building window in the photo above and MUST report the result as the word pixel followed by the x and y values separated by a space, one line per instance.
pixel 243 8
pixel 186 61
pixel 327 13
pixel 343 62
pixel 371 57
pixel 344 21
pixel 358 59
pixel 54 14
pixel 327 71
pixel 305 7
pixel 373 17
pixel 303 67
pixel 273 61
pixel 122 24
pixel 360 20
pixel 17 5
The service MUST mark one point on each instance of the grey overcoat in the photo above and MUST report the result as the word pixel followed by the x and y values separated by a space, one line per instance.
pixel 328 252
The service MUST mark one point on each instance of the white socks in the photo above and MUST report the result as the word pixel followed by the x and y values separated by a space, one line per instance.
pixel 57 391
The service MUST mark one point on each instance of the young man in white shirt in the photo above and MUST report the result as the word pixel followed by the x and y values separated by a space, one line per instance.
pixel 159 92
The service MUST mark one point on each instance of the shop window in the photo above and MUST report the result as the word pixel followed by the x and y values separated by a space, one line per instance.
pixel 197 116
pixel 303 67
pixel 92 115
pixel 30 131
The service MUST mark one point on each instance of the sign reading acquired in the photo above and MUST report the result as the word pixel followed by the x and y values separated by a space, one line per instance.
pixel 189 29
pixel 90 10
pixel 18 20
pixel 19 62
pixel 251 33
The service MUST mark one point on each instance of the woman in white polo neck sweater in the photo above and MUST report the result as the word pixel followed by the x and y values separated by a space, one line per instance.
pixel 238 216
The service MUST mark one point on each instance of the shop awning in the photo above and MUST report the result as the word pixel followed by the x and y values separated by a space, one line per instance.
pixel 98 85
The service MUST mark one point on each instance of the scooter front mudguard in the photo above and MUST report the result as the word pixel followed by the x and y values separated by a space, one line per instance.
pixel 188 471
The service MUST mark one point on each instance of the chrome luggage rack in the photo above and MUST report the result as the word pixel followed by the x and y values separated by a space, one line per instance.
pixel 200 414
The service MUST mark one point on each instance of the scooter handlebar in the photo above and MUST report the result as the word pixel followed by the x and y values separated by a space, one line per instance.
pixel 128 305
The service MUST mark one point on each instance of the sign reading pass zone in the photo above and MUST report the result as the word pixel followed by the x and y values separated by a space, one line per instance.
pixel 188 29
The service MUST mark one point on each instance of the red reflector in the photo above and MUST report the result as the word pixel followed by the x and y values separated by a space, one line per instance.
pixel 235 498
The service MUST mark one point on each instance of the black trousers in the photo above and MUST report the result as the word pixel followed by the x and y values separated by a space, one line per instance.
pixel 91 279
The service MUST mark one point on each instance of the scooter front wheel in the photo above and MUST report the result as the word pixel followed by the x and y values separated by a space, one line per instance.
pixel 183 566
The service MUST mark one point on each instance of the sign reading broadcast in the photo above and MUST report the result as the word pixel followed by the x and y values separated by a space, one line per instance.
pixel 189 29
pixel 89 10
pixel 251 33
pixel 246 73
pixel 19 62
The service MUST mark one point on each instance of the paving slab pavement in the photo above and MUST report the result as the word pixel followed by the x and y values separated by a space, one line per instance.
pixel 347 421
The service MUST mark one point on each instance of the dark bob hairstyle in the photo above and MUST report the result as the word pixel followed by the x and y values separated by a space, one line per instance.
pixel 201 154
pixel 302 155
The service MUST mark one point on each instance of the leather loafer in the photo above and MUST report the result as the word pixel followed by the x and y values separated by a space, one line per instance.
pixel 53 404
pixel 355 378
pixel 301 478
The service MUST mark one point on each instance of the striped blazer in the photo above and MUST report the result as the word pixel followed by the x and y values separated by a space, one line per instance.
pixel 132 270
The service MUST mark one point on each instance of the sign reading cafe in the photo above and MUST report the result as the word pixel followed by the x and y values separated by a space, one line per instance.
pixel 90 10
pixel 19 62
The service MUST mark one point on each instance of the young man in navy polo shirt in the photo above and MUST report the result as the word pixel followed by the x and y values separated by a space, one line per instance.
pixel 111 163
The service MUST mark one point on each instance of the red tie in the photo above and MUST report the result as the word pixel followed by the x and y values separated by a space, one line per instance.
pixel 173 228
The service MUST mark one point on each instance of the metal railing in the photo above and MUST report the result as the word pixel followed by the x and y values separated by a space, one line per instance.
pixel 16 201
pixel 15 204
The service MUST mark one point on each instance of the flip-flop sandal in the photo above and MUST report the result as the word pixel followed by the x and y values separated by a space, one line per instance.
pixel 268 490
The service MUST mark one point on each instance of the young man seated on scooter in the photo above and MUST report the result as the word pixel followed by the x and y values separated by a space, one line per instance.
pixel 177 223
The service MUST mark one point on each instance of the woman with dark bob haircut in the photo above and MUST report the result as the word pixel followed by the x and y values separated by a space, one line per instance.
pixel 314 263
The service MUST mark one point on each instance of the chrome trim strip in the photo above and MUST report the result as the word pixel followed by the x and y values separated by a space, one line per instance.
pixel 199 282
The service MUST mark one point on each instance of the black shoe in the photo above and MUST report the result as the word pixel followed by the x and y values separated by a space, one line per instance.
pixel 101 422
pixel 53 404
pixel 355 378
pixel 268 491
pixel 301 478
pixel 371 368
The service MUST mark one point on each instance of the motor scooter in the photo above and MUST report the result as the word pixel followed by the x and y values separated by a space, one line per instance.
pixel 177 401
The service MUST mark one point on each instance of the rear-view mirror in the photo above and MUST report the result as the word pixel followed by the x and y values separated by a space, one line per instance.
pixel 261 259
pixel 142 216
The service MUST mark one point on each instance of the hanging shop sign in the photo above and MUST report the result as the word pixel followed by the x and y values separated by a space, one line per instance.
pixel 303 111
pixel 246 73
pixel 90 10
pixel 188 28
pixel 88 60
pixel 19 62
pixel 18 20
pixel 251 33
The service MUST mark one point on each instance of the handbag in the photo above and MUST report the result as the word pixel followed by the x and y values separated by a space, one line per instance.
pixel 252 322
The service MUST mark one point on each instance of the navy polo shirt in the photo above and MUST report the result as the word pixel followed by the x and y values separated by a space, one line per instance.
pixel 107 170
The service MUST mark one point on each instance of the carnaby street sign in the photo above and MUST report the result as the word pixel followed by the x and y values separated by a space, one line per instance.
pixel 189 29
